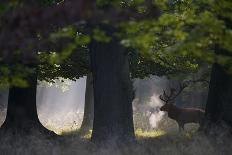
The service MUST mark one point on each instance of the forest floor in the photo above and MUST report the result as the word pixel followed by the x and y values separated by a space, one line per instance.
pixel 166 140
pixel 152 142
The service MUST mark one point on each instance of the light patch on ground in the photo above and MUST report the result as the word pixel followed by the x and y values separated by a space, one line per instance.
pixel 152 134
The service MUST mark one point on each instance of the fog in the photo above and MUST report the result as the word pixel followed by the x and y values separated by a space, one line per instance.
pixel 3 103
pixel 61 105
pixel 60 108
pixel 147 100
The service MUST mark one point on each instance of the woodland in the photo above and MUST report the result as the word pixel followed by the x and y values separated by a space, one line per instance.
pixel 114 45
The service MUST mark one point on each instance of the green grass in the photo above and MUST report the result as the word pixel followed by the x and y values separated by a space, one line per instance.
pixel 144 134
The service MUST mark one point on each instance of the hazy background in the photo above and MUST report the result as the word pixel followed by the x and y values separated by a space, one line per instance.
pixel 61 104
pixel 60 108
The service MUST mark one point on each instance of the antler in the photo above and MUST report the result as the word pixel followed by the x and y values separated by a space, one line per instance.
pixel 181 88
pixel 165 97
pixel 172 96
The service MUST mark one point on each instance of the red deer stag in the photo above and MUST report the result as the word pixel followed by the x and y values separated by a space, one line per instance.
pixel 180 115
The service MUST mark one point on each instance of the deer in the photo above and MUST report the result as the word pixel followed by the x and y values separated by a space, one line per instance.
pixel 181 115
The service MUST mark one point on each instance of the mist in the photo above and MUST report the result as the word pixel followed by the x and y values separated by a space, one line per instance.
pixel 60 108
pixel 61 105
pixel 147 102
pixel 3 104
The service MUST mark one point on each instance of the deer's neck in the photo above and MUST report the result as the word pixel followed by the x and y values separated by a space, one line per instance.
pixel 174 112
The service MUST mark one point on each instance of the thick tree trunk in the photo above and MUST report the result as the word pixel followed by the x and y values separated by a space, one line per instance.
pixel 219 104
pixel 87 123
pixel 113 119
pixel 22 112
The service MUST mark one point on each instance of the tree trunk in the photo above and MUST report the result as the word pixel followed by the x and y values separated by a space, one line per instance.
pixel 22 112
pixel 87 123
pixel 113 119
pixel 219 104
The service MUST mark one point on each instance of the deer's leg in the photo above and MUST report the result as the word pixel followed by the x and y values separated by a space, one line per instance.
pixel 181 126
pixel 202 124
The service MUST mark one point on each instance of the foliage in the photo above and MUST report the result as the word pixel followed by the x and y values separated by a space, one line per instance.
pixel 70 60
pixel 186 28
pixel 14 75
pixel 186 34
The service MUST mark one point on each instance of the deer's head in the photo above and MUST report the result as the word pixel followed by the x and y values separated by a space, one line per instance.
pixel 165 107
pixel 170 98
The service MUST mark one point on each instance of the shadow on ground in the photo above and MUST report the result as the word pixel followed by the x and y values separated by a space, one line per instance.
pixel 158 142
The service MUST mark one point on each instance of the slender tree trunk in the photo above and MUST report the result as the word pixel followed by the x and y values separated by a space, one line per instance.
pixel 219 104
pixel 113 119
pixel 87 123
pixel 22 112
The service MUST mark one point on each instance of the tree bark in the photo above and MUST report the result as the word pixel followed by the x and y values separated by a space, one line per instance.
pixel 87 123
pixel 113 119
pixel 219 104
pixel 22 114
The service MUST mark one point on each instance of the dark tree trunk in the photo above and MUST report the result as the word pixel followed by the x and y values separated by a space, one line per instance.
pixel 87 123
pixel 113 119
pixel 219 104
pixel 22 112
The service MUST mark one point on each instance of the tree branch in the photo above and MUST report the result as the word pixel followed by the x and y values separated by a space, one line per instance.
pixel 19 28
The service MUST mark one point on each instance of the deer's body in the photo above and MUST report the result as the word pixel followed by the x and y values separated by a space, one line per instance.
pixel 181 115
pixel 184 115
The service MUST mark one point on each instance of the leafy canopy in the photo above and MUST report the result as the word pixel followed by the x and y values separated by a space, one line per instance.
pixel 184 35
